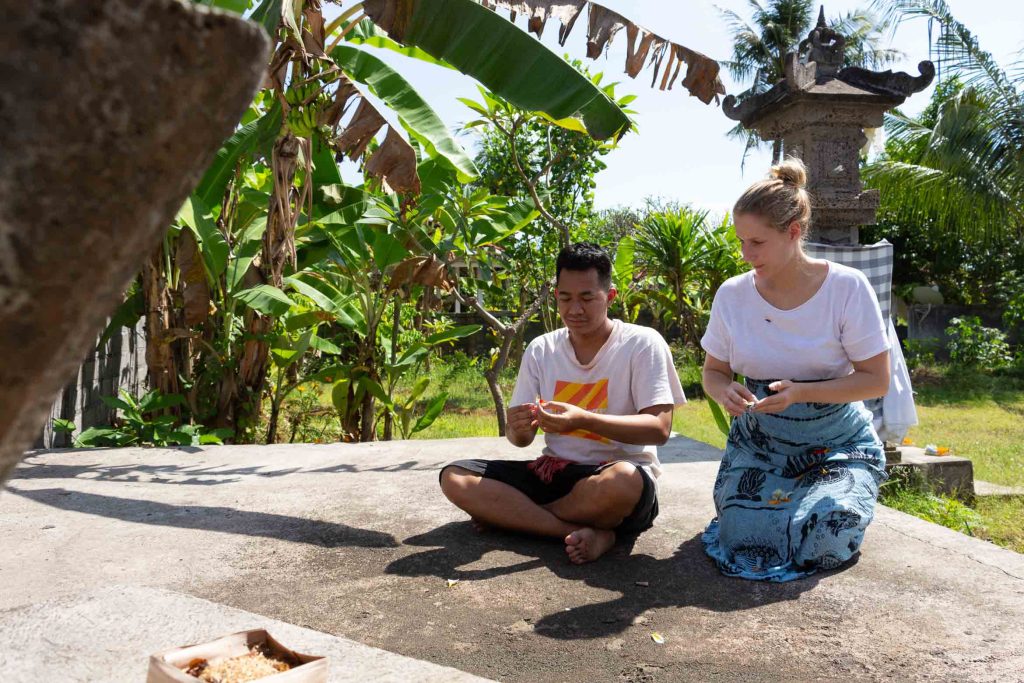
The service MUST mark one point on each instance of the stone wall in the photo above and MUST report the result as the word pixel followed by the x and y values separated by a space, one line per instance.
pixel 930 322
pixel 120 363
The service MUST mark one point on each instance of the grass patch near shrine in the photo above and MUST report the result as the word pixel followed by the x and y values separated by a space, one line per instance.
pixel 980 416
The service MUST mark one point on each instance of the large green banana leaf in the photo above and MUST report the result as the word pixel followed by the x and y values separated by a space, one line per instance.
pixel 416 115
pixel 247 139
pixel 502 57
pixel 367 33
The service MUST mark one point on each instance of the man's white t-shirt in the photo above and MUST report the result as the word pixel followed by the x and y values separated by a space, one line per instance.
pixel 818 339
pixel 632 371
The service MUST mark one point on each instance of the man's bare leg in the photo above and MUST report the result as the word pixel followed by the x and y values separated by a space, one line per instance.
pixel 600 503
pixel 593 508
pixel 494 503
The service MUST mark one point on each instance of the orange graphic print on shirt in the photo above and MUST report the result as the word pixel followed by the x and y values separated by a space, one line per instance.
pixel 592 397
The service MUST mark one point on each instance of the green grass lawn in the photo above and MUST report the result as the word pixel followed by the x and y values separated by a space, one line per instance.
pixel 980 416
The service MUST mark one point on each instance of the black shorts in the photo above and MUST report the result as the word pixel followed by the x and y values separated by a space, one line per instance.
pixel 517 474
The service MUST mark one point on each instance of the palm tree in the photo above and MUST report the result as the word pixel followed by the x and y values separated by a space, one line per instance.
pixel 776 28
pixel 959 166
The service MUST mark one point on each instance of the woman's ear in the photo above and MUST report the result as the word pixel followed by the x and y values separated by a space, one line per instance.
pixel 795 231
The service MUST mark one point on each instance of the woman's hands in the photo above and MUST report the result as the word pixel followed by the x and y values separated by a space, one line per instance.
pixel 786 394
pixel 737 399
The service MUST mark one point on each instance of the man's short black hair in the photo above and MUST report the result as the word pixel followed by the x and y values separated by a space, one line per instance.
pixel 583 256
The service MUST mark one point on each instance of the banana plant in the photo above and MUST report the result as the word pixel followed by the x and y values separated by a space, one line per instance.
pixel 624 277
pixel 216 291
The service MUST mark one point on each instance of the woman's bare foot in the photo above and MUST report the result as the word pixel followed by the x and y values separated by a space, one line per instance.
pixel 481 527
pixel 586 544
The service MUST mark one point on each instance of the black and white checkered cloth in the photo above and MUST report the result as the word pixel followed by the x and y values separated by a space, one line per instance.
pixel 874 260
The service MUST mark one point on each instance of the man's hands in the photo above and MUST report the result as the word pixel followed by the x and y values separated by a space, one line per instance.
pixel 557 418
pixel 652 425
pixel 551 416
pixel 522 418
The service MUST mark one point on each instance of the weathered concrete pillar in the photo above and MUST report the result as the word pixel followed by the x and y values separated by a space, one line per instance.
pixel 110 110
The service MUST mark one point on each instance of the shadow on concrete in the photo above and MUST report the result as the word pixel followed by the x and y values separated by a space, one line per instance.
pixel 687 579
pixel 460 545
pixel 223 519
pixel 189 475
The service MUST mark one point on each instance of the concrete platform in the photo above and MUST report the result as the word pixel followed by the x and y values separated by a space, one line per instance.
pixel 356 541
pixel 107 634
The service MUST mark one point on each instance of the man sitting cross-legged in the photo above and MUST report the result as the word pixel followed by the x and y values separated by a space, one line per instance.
pixel 603 392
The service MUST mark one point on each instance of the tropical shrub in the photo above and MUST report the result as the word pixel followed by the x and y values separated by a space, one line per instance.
pixel 974 346
pixel 144 421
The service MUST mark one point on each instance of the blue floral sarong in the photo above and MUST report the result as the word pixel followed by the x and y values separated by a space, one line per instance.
pixel 795 490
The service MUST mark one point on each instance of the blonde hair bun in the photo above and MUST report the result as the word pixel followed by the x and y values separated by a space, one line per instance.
pixel 791 172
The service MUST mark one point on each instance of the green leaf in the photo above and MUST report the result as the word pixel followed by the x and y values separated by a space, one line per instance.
pixel 318 297
pixel 367 33
pixel 299 321
pixel 102 436
pixel 266 299
pixel 720 420
pixel 116 404
pixel 325 346
pixel 268 15
pixel 64 426
pixel 236 6
pixel 415 114
pixel 434 409
pixel 509 62
pixel 339 396
pixel 377 391
pixel 417 390
pixel 329 373
pixel 238 266
pixel 212 245
pixel 411 356
pixel 154 400
pixel 325 168
pixel 127 315
pixel 291 351
pixel 569 123
pixel 452 334
pixel 387 250
pixel 340 206
pixel 246 140
pixel 625 263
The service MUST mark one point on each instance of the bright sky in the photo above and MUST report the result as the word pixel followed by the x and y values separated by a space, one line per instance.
pixel 681 151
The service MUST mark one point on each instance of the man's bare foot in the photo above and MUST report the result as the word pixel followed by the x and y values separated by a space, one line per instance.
pixel 481 527
pixel 586 544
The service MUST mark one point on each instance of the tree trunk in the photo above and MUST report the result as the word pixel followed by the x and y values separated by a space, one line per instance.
pixel 396 322
pixel 275 411
pixel 776 151
pixel 278 250
pixel 160 359
pixel 499 399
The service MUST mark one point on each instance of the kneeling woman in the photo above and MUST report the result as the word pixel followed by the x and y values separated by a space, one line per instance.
pixel 802 464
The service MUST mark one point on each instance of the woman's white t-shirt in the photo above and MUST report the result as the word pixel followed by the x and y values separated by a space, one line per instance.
pixel 818 339
pixel 633 370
